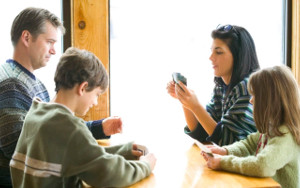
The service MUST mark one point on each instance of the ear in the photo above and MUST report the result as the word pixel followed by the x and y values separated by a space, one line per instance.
pixel 82 87
pixel 26 37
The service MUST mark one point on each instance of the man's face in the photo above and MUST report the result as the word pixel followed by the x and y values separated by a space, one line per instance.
pixel 42 47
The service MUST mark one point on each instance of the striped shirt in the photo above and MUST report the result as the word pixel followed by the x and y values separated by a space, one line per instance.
pixel 233 114
pixel 18 86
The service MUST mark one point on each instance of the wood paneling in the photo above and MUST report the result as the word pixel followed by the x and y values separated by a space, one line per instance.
pixel 90 31
pixel 296 39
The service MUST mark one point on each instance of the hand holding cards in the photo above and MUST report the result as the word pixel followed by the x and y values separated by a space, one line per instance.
pixel 142 149
pixel 204 148
pixel 178 77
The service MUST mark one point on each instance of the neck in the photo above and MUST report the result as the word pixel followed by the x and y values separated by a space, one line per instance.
pixel 66 98
pixel 226 79
pixel 21 57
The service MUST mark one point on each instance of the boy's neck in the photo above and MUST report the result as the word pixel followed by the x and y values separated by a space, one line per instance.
pixel 66 98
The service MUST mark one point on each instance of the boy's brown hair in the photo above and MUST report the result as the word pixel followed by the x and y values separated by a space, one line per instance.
pixel 77 66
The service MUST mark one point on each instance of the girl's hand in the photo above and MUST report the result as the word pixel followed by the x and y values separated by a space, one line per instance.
pixel 212 162
pixel 171 89
pixel 217 149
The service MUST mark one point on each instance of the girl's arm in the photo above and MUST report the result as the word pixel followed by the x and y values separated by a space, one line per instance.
pixel 277 153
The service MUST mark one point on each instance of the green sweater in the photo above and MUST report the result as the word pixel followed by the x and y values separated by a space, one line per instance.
pixel 56 149
pixel 279 158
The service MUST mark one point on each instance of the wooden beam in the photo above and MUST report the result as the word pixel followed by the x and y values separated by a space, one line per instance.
pixel 295 59
pixel 90 31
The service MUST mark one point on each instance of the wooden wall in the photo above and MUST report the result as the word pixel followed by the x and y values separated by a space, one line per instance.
pixel 295 54
pixel 90 31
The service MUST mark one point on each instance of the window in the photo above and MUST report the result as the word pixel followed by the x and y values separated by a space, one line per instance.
pixel 151 39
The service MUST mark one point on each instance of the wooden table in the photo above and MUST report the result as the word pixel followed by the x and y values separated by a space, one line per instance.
pixel 180 165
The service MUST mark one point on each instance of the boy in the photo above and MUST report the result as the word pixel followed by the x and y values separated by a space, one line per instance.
pixel 56 149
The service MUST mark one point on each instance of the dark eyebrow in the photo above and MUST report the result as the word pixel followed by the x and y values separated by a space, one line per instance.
pixel 52 40
pixel 216 48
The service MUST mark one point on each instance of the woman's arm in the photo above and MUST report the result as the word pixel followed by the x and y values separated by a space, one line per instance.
pixel 193 110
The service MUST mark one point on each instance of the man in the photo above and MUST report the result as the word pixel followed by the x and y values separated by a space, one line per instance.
pixel 33 34
pixel 46 157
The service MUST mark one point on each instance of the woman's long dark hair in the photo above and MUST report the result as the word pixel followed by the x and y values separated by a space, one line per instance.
pixel 243 51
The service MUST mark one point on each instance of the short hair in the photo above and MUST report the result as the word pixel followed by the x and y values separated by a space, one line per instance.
pixel 77 66
pixel 276 101
pixel 33 20
pixel 242 47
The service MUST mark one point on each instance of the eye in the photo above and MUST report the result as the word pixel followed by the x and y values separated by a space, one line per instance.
pixel 219 52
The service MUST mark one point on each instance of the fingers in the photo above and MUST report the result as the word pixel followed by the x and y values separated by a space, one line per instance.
pixel 137 153
pixel 151 159
pixel 171 89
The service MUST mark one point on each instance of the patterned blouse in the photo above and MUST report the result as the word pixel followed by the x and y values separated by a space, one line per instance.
pixel 233 114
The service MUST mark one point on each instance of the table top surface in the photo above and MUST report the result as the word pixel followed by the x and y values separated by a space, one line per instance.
pixel 180 164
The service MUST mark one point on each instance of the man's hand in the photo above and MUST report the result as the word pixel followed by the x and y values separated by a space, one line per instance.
pixel 112 125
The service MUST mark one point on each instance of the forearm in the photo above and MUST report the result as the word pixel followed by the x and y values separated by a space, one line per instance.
pixel 204 118
pixel 190 119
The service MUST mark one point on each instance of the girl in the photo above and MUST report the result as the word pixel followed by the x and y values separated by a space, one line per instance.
pixel 275 149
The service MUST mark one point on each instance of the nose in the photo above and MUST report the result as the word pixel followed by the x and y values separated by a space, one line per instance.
pixel 251 100
pixel 211 57
pixel 52 50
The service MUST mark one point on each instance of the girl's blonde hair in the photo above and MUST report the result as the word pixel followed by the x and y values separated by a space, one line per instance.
pixel 276 101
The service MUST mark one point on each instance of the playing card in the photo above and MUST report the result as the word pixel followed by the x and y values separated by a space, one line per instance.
pixel 204 148
pixel 178 77
pixel 142 149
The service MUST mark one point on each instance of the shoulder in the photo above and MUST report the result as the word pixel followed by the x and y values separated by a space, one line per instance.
pixel 53 119
pixel 13 84
pixel 241 87
pixel 287 139
pixel 15 94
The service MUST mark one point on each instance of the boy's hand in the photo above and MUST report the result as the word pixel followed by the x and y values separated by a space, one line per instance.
pixel 112 125
pixel 149 158
pixel 135 151
pixel 212 162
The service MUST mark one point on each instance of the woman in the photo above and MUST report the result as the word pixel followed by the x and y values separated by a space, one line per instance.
pixel 228 117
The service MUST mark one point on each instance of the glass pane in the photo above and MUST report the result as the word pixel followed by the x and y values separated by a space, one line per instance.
pixel 152 39
pixel 9 12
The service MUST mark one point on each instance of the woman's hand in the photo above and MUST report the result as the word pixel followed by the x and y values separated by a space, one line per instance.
pixel 186 96
pixel 171 89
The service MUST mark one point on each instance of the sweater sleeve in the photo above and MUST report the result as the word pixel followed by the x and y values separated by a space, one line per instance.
pixel 15 101
pixel 99 168
pixel 96 128
pixel 244 147
pixel 275 155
